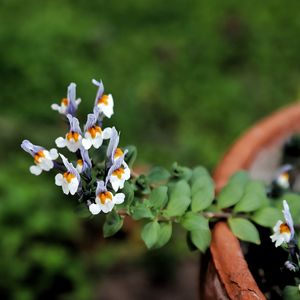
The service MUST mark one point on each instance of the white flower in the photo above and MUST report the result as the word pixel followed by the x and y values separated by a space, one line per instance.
pixel 283 232
pixel 283 180
pixel 118 153
pixel 68 105
pixel 43 158
pixel 69 181
pixel 93 133
pixel 105 200
pixel 44 161
pixel 79 165
pixel 119 176
pixel 105 103
pixel 73 138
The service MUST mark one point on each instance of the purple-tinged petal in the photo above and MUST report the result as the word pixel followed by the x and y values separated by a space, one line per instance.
pixel 30 148
pixel 87 163
pixel 74 124
pixel 288 217
pixel 115 166
pixel 112 146
pixel 101 187
pixel 100 91
pixel 70 167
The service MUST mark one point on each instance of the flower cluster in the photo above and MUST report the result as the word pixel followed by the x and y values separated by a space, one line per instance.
pixel 96 184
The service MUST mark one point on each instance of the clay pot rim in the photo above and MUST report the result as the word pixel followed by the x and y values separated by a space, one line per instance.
pixel 226 252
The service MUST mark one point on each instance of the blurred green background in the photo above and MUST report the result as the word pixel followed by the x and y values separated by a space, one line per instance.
pixel 187 78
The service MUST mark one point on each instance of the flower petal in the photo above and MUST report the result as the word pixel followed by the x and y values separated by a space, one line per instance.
pixel 86 143
pixel 60 142
pixel 36 170
pixel 73 186
pixel 119 198
pixel 59 179
pixel 53 153
pixel 106 134
pixel 95 209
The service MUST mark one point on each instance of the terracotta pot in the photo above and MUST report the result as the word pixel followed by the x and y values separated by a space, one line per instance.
pixel 226 275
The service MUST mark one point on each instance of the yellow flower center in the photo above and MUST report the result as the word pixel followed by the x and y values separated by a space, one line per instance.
pixel 73 135
pixel 105 196
pixel 284 228
pixel 68 176
pixel 94 130
pixel 118 153
pixel 80 162
pixel 119 172
pixel 64 101
pixel 285 176
pixel 38 156
pixel 103 100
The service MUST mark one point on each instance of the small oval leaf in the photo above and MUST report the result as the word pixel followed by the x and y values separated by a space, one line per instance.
pixel 244 230
pixel 150 234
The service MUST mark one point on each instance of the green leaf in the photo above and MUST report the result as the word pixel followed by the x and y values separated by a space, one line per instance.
pixel 244 230
pixel 203 193
pixel 164 234
pixel 291 293
pixel 192 221
pixel 179 199
pixel 254 197
pixel 198 172
pixel 131 155
pixel 150 234
pixel 189 242
pixel 141 211
pixel 159 197
pixel 158 174
pixel 267 216
pixel 128 190
pixel 112 225
pixel 233 191
pixel 241 177
pixel 180 172
pixel 201 238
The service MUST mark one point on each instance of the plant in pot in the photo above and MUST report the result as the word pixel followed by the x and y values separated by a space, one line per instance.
pixel 99 173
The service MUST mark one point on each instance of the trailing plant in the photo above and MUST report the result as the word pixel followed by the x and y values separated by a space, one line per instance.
pixel 98 173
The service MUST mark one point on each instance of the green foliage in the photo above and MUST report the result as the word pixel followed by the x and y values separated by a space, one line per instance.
pixel 244 230
pixel 199 232
pixel 291 293
pixel 128 190
pixel 158 174
pixel 159 197
pixel 180 172
pixel 179 199
pixel 201 238
pixel 192 221
pixel 267 216
pixel 253 198
pixel 68 41
pixel 202 189
pixel 150 234
pixel 164 234
pixel 141 210
pixel 131 155
pixel 233 191
pixel 112 225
